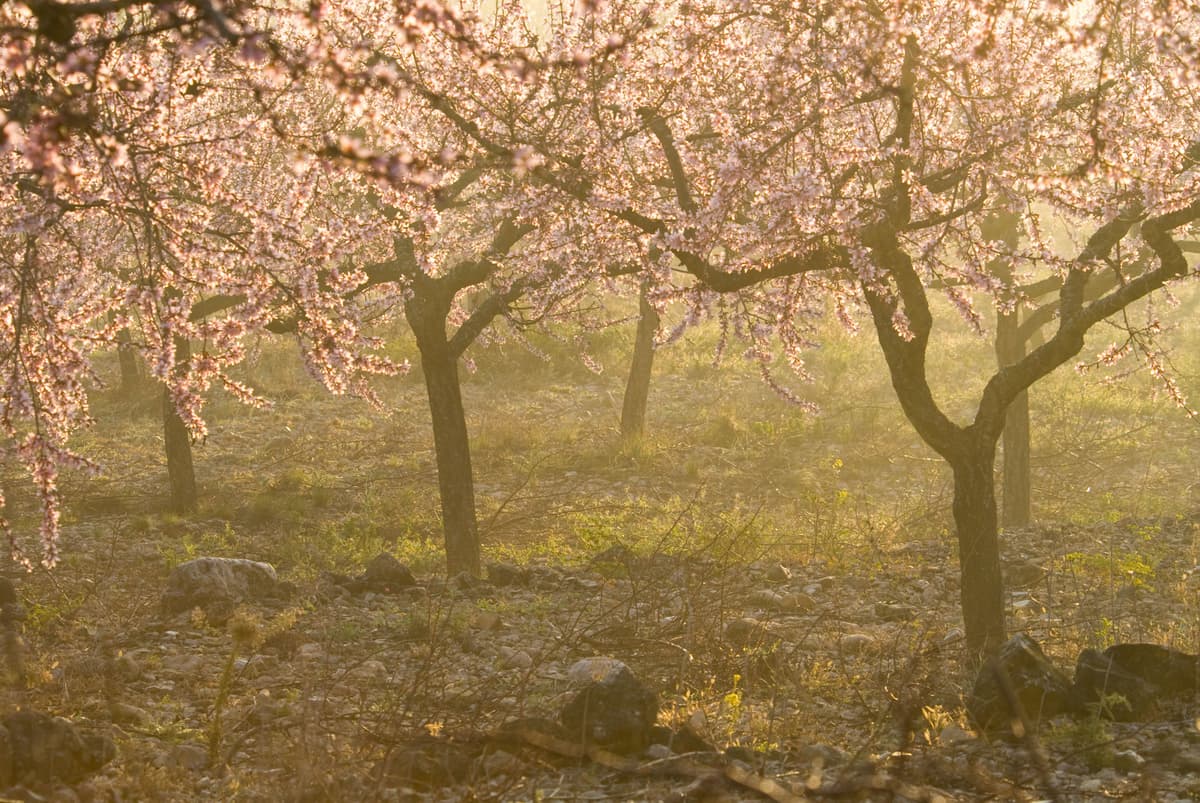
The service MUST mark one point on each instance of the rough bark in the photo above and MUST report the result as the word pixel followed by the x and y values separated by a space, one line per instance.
pixel 456 484
pixel 131 375
pixel 637 388
pixel 982 590
pixel 181 471
pixel 1016 508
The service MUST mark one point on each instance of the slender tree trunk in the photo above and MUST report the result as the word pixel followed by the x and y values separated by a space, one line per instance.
pixel 180 470
pixel 452 446
pixel 979 549
pixel 637 389
pixel 131 375
pixel 1017 508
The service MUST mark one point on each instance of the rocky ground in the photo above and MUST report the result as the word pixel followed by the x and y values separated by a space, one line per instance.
pixel 382 685
pixel 784 586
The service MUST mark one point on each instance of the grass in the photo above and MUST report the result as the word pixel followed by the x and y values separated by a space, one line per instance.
pixel 727 475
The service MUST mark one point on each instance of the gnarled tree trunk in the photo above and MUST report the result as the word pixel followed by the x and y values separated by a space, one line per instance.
pixel 1017 506
pixel 637 388
pixel 456 483
pixel 180 469
pixel 982 591
pixel 131 374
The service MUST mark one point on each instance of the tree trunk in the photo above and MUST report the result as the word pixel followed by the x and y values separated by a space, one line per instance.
pixel 637 389
pixel 1017 508
pixel 180 470
pixel 131 375
pixel 452 446
pixel 979 549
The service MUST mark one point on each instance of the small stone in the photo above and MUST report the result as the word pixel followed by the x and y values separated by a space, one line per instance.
pixel 126 714
pixel 778 573
pixel 798 603
pixel 1022 573
pixel 518 660
pixel 127 668
pixel 501 762
pixel 891 612
pixel 1127 761
pixel 953 635
pixel 766 599
pixel 386 574
pixel 596 669
pixel 486 621
pixel 1090 785
pixel 310 651
pixel 855 643
pixel 504 575
pixel 657 752
pixel 188 755
pixel 747 632
pixel 953 734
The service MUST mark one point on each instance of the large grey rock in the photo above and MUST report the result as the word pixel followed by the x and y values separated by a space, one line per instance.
pixel 612 709
pixel 1040 688
pixel 45 748
pixel 206 582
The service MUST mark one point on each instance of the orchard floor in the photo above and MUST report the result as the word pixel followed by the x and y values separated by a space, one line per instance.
pixel 830 531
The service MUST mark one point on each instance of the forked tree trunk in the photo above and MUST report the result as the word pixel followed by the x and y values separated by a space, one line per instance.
pixel 975 523
pixel 180 470
pixel 637 388
pixel 1016 507
pixel 452 447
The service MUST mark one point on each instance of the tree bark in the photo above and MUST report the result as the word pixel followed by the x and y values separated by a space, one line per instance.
pixel 456 483
pixel 181 471
pixel 131 375
pixel 982 591
pixel 637 388
pixel 1016 508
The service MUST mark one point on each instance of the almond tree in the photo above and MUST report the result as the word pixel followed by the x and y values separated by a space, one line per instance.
pixel 850 154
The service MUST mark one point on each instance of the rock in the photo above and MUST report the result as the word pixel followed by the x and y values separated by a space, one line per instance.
pixel 385 575
pixel 517 659
pixel 126 714
pixel 778 573
pixel 798 603
pixel 189 755
pixel 218 583
pixel 465 581
pixel 1128 761
pixel 487 621
pixel 46 748
pixel 1090 785
pixel 766 599
pixel 748 632
pixel 596 669
pixel 658 752
pixel 127 668
pixel 825 755
pixel 687 739
pixel 854 643
pixel 1040 688
pixel 616 712
pixel 504 575
pixel 1022 573
pixel 1131 681
pixel 1187 761
pixel 953 734
pixel 891 612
